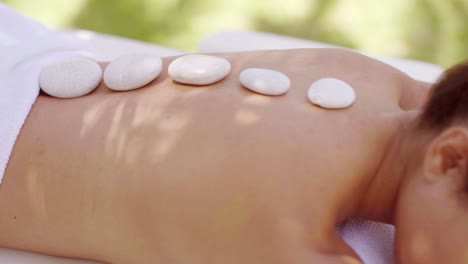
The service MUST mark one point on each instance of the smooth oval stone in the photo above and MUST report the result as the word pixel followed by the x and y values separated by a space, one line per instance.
pixel 264 81
pixel 331 93
pixel 132 71
pixel 197 69
pixel 70 77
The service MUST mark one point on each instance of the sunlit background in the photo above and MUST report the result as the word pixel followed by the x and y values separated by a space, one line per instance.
pixel 431 30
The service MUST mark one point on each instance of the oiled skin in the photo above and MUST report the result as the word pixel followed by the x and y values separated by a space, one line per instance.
pixel 173 173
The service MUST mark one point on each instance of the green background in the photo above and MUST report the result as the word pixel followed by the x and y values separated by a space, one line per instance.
pixel 431 30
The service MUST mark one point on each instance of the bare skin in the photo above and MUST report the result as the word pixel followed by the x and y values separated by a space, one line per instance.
pixel 217 173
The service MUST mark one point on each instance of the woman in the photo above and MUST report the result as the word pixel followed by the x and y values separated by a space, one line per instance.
pixel 216 174
pixel 224 175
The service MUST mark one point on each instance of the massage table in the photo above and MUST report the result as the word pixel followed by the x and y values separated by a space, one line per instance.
pixel 372 241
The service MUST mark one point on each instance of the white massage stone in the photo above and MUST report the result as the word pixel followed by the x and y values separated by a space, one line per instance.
pixel 265 81
pixel 70 77
pixel 331 93
pixel 132 71
pixel 197 69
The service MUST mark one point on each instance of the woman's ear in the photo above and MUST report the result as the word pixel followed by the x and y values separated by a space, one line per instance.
pixel 447 156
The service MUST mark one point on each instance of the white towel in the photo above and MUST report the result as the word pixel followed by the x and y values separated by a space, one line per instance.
pixel 25 48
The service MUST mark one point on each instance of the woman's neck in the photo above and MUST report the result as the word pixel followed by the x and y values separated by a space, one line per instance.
pixel 379 201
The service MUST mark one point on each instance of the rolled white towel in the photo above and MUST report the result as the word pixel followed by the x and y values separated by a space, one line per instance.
pixel 25 48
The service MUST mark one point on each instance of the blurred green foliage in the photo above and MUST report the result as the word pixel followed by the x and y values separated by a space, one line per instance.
pixel 429 30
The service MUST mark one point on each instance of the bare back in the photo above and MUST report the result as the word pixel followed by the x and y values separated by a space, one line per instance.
pixel 211 160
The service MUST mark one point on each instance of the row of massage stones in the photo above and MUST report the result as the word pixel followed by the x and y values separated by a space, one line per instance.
pixel 78 76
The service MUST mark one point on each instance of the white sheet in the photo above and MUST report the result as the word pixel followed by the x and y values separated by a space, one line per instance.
pixel 233 41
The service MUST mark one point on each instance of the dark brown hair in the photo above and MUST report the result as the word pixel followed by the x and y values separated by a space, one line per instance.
pixel 448 101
